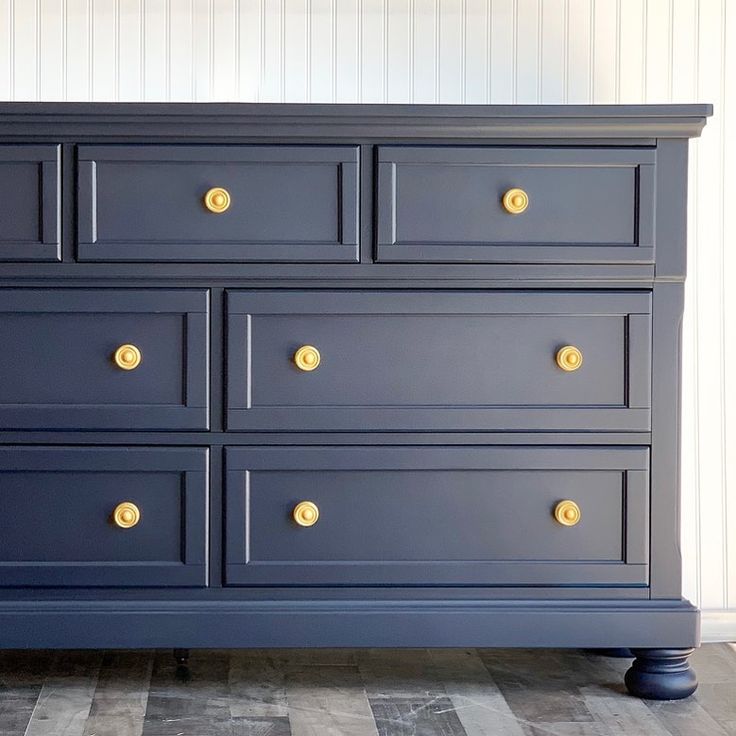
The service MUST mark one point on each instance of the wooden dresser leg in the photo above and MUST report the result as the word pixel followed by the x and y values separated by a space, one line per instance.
pixel 661 674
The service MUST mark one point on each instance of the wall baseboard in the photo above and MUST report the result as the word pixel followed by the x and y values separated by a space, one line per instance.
pixel 718 626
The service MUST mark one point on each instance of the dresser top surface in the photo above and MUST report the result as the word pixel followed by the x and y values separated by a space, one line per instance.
pixel 361 120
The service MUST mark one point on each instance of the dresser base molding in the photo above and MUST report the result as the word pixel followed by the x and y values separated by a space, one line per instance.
pixel 355 623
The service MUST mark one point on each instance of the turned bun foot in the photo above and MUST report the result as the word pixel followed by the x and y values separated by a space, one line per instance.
pixel 661 674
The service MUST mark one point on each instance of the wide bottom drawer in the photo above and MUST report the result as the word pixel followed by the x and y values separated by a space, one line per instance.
pixel 429 516
pixel 91 516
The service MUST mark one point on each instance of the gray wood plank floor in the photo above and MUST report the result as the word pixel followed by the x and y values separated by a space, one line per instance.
pixel 418 692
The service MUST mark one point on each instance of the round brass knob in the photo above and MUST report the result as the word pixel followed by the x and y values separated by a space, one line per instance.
pixel 305 513
pixel 515 201
pixel 567 513
pixel 217 200
pixel 307 358
pixel 569 358
pixel 127 357
pixel 126 515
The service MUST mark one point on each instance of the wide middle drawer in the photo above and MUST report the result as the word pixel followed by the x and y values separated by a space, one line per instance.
pixel 104 359
pixel 390 360
pixel 437 516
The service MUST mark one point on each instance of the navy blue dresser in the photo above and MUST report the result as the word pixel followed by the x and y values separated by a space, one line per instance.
pixel 313 375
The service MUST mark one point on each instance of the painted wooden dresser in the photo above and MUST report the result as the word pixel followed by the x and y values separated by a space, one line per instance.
pixel 312 375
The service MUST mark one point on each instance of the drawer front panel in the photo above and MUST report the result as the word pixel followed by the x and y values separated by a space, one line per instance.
pixel 286 203
pixel 30 211
pixel 437 516
pixel 58 363
pixel 433 361
pixel 58 525
pixel 446 204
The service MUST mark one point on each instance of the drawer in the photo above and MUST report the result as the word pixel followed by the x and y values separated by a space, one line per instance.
pixel 103 359
pixel 30 196
pixel 437 516
pixel 218 203
pixel 90 516
pixel 430 361
pixel 581 205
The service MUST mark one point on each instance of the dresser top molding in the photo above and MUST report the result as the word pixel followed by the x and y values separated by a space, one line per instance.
pixel 351 122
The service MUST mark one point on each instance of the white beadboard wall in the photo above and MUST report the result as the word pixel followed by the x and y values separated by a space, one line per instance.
pixel 456 51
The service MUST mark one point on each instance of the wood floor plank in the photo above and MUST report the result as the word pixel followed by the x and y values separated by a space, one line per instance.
pixel 196 705
pixel 257 686
pixel 622 715
pixel 479 704
pixel 66 697
pixel 686 718
pixel 261 727
pixel 328 701
pixel 397 673
pixel 539 685
pixel 412 716
pixel 121 697
pixel 22 674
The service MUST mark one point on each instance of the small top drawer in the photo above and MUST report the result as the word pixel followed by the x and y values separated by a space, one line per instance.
pixel 29 203
pixel 218 203
pixel 552 205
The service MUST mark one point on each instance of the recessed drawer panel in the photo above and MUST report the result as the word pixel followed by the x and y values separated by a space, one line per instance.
pixel 30 195
pixel 218 203
pixel 439 361
pixel 437 516
pixel 91 516
pixel 555 205
pixel 112 359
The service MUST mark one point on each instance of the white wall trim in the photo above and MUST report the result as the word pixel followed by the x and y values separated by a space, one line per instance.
pixel 718 626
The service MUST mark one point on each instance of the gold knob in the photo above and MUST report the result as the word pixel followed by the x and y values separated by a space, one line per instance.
pixel 567 513
pixel 217 200
pixel 307 358
pixel 127 357
pixel 305 513
pixel 515 201
pixel 126 515
pixel 569 358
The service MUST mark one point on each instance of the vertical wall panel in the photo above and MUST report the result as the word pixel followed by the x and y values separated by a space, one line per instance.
pixel 6 50
pixel 321 50
pixel 372 51
pixel 605 51
pixel 156 42
pixel 104 52
pixel 78 45
pixel 631 68
pixel 425 51
pixel 528 49
pixel 130 51
pixel 728 197
pixel 51 61
pixel 451 52
pixel 347 51
pixel 554 43
pixel 579 52
pixel 503 52
pixel 180 54
pixel 476 46
pixel 26 50
pixel 296 53
pixel 708 277
pixel 473 51
pixel 225 67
